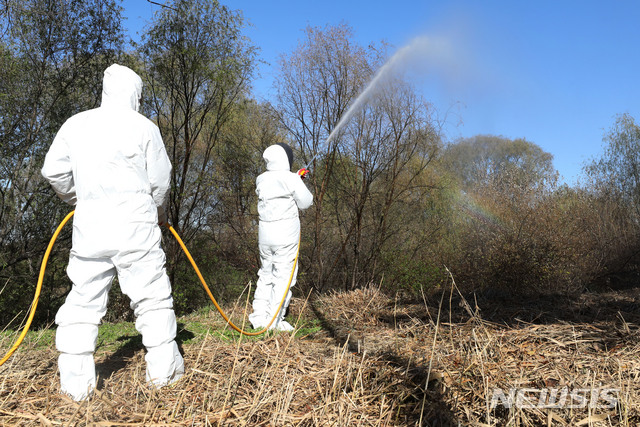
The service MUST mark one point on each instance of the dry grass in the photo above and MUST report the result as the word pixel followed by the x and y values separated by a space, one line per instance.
pixel 369 366
pixel 465 361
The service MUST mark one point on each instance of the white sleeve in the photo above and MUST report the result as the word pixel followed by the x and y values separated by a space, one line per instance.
pixel 57 169
pixel 301 194
pixel 158 168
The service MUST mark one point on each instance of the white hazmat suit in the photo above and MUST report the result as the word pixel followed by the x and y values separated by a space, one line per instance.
pixel 280 194
pixel 110 162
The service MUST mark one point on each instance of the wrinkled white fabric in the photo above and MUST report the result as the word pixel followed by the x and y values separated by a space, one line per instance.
pixel 110 162
pixel 77 375
pixel 281 193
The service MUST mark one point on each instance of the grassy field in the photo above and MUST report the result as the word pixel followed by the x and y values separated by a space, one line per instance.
pixel 362 358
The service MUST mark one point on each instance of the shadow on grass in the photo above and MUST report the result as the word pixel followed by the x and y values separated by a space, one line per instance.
pixel 420 407
pixel 128 347
pixel 612 314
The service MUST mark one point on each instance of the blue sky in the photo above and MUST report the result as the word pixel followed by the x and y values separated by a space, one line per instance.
pixel 554 72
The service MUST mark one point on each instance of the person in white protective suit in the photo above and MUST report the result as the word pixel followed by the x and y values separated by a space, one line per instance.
pixel 280 194
pixel 111 163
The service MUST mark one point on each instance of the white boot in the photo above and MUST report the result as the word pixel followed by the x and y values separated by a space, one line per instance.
pixel 283 326
pixel 77 375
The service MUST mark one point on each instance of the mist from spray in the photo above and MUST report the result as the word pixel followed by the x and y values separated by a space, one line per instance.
pixel 412 57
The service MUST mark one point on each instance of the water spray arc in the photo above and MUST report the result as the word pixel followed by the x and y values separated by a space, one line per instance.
pixel 417 48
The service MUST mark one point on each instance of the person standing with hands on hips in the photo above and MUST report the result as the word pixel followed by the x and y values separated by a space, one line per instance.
pixel 111 164
pixel 281 193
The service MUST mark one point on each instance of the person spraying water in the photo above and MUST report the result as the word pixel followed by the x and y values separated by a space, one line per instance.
pixel 401 58
pixel 280 195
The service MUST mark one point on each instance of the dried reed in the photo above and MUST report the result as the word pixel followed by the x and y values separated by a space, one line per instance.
pixel 378 361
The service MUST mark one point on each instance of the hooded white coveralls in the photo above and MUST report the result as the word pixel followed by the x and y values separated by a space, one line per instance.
pixel 280 194
pixel 110 162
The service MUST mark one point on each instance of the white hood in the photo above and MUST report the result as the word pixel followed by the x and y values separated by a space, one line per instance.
pixel 276 158
pixel 121 87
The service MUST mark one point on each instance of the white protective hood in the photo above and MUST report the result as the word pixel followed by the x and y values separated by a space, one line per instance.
pixel 121 87
pixel 276 158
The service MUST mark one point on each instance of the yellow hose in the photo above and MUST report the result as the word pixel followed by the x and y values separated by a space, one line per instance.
pixel 43 267
pixel 34 304
pixel 206 288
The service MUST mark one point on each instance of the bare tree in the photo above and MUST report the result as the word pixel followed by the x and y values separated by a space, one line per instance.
pixel 52 55
pixel 618 170
pixel 369 165
pixel 198 71
pixel 234 222
pixel 614 184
